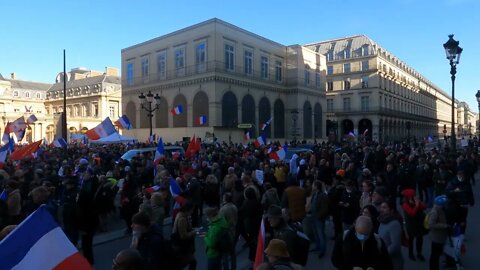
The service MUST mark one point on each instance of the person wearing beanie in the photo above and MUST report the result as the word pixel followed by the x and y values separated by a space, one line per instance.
pixel 437 224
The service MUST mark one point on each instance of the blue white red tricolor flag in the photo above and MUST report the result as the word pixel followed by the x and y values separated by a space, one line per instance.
pixel 177 110
pixel 102 130
pixel 39 243
pixel 279 154
pixel 18 127
pixel 175 190
pixel 59 143
pixel 31 119
pixel 261 140
pixel 123 122
pixel 160 152
pixel 6 132
pixel 266 124
pixel 152 189
pixel 259 255
pixel 3 154
pixel 202 120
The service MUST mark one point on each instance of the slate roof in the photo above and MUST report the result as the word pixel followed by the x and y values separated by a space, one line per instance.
pixel 28 85
pixel 86 82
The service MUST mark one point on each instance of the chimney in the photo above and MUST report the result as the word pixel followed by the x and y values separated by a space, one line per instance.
pixel 13 76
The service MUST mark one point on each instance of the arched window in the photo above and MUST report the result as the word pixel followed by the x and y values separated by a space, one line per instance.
pixel 248 113
pixel 279 119
pixel 161 115
pixel 229 110
pixel 200 108
pixel 264 114
pixel 15 93
pixel 27 94
pixel 307 120
pixel 181 119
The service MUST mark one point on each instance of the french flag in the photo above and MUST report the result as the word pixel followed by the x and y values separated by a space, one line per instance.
pixel 6 132
pixel 123 122
pixel 202 120
pixel 152 189
pixel 39 243
pixel 279 154
pixel 259 255
pixel 31 119
pixel 266 124
pixel 260 141
pixel 177 110
pixel 246 135
pixel 160 152
pixel 102 130
pixel 60 143
pixel 3 155
pixel 175 190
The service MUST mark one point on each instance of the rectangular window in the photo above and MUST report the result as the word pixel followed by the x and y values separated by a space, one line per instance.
pixel 145 68
pixel 365 65
pixel 346 68
pixel 329 105
pixel 365 50
pixel 346 104
pixel 229 57
pixel 278 71
pixel 346 84
pixel 129 74
pixel 201 56
pixel 162 65
pixel 347 54
pixel 111 110
pixel 264 67
pixel 180 61
pixel 306 79
pixel 329 70
pixel 248 55
pixel 329 86
pixel 318 79
pixel 95 110
pixel 365 104
pixel 365 82
pixel 330 56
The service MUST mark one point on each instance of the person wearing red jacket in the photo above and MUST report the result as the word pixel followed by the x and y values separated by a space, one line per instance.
pixel 414 216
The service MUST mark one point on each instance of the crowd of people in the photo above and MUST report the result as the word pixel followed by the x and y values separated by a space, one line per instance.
pixel 378 198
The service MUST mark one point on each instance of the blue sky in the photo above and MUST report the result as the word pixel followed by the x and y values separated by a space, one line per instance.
pixel 34 33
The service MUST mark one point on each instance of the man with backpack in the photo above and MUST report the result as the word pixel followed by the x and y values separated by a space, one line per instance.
pixel 278 257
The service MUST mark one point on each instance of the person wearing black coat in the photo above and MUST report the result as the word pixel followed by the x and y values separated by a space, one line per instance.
pixel 460 194
pixel 360 247
pixel 87 215
pixel 250 214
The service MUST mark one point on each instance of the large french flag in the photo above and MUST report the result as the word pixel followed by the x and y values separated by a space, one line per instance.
pixel 123 122
pixel 259 255
pixel 246 135
pixel 102 130
pixel 160 152
pixel 177 110
pixel 39 243
pixel 175 190
pixel 6 132
pixel 3 154
pixel 279 154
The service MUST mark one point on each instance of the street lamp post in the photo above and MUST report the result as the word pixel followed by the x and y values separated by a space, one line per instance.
pixel 453 52
pixel 146 103
pixel 294 118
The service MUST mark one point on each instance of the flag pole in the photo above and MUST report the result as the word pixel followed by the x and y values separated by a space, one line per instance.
pixel 64 118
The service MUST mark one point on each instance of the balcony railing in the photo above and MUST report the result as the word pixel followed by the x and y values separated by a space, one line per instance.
pixel 221 68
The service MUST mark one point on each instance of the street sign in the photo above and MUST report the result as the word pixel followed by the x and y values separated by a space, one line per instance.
pixel 244 126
